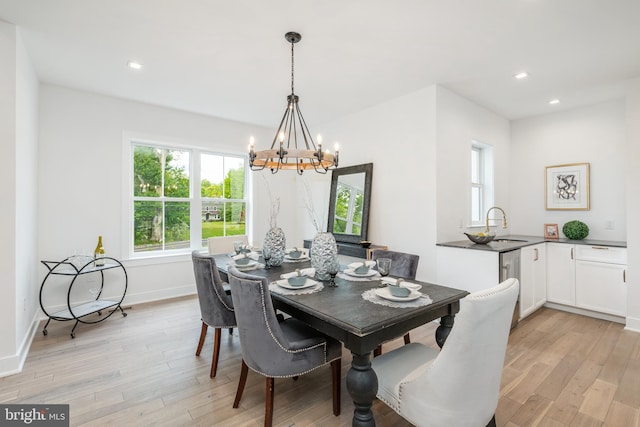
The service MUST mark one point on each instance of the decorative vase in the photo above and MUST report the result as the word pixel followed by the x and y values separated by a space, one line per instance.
pixel 324 252
pixel 276 242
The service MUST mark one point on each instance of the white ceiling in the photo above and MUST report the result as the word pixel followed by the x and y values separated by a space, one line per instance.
pixel 230 59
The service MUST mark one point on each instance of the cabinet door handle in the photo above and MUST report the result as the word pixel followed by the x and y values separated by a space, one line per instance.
pixel 535 251
pixel 624 276
pixel 571 253
pixel 602 248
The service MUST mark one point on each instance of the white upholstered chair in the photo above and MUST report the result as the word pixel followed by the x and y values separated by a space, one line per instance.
pixel 224 245
pixel 460 384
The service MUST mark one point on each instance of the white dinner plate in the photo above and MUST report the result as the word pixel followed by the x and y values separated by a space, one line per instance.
pixel 300 258
pixel 284 283
pixel 369 273
pixel 386 294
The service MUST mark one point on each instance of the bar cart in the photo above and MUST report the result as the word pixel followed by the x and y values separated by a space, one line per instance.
pixel 80 310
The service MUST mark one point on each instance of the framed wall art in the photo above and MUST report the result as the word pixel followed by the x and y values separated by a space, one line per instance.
pixel 551 231
pixel 567 187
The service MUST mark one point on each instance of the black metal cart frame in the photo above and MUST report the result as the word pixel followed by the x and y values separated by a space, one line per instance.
pixel 78 312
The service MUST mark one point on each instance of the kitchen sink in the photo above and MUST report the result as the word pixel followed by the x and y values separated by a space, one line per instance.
pixel 507 240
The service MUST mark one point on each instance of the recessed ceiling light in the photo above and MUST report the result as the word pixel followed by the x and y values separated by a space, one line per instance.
pixel 554 101
pixel 134 65
pixel 521 75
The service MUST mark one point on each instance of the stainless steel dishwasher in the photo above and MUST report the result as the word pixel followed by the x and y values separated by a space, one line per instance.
pixel 510 268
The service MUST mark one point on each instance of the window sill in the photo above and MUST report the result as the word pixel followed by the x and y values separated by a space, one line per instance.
pixel 143 260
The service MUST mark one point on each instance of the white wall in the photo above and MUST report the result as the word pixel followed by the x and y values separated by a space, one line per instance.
pixel 458 123
pixel 420 146
pixel 398 137
pixel 26 251
pixel 593 134
pixel 18 129
pixel 81 186
pixel 8 36
pixel 633 205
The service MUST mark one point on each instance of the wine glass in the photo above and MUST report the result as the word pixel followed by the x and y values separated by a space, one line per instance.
pixel 384 266
pixel 237 246
pixel 333 270
pixel 266 254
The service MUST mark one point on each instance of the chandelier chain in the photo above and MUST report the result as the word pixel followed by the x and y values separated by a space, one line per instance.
pixel 292 44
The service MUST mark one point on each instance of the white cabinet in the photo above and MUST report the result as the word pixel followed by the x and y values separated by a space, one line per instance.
pixel 561 273
pixel 533 280
pixel 600 279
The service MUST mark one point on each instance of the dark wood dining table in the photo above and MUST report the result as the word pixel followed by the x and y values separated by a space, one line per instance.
pixel 360 325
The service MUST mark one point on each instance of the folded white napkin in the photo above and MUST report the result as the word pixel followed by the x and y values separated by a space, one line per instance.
pixel 391 281
pixel 355 265
pixel 310 272
pixel 253 255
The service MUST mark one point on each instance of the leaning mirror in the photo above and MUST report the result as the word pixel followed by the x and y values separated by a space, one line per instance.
pixel 349 203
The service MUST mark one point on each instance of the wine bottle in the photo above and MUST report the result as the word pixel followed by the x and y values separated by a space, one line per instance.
pixel 98 254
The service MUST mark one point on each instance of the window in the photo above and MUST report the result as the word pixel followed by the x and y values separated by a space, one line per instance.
pixel 183 196
pixel 481 181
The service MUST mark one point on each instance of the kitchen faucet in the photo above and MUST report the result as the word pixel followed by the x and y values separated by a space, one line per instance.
pixel 504 218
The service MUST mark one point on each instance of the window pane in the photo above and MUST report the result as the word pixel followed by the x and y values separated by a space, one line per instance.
pixel 212 181
pixel 235 218
pixel 176 173
pixel 176 219
pixel 212 220
pixel 475 165
pixel 147 171
pixel 147 226
pixel 234 178
pixel 475 204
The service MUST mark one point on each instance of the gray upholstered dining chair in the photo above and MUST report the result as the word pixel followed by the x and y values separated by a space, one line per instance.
pixel 460 384
pixel 277 349
pixel 402 265
pixel 216 307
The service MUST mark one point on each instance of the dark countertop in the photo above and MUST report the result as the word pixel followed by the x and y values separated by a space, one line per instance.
pixel 520 241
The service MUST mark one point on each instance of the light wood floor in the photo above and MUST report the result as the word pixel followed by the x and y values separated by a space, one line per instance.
pixel 561 370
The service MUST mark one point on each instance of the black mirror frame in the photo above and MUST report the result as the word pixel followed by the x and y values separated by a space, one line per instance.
pixel 367 169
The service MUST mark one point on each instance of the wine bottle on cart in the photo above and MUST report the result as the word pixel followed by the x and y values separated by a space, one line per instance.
pixel 98 254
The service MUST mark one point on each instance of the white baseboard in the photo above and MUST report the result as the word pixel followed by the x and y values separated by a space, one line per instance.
pixel 583 312
pixel 13 364
pixel 633 324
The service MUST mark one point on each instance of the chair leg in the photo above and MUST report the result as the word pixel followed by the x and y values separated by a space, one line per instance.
pixel 492 423
pixel 268 405
pixel 378 351
pixel 336 366
pixel 407 339
pixel 203 335
pixel 244 370
pixel 216 351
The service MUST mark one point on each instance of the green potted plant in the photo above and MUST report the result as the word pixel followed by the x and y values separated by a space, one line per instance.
pixel 575 230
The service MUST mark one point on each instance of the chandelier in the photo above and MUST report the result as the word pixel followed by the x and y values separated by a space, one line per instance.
pixel 293 147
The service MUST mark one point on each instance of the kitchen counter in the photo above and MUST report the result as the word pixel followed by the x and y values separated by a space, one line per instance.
pixel 520 241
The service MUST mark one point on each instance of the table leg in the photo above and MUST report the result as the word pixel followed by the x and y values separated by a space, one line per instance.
pixel 446 323
pixel 362 385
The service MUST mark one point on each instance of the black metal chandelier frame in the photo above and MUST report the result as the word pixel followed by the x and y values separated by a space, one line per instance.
pixel 284 152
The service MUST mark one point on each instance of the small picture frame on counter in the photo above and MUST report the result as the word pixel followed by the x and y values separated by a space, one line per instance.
pixel 551 231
